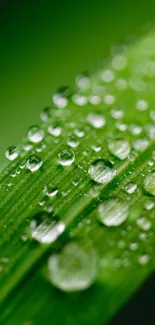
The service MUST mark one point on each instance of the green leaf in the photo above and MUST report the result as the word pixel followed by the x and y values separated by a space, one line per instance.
pixel 77 201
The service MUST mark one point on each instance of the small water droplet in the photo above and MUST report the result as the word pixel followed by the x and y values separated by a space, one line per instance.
pixel 117 113
pixel 142 105
pixel 80 100
pixel 119 62
pixel 55 129
pixel 50 191
pixel 46 114
pixel 35 134
pixel 102 171
pixel 83 81
pixel 74 268
pixel 60 98
pixel 113 212
pixel 119 148
pixel 33 163
pixel 96 120
pixel 107 76
pixel 144 224
pixel 109 99
pixel 73 141
pixel 12 153
pixel 133 246
pixel 140 144
pixel 149 205
pixel 79 133
pixel 143 259
pixel 66 157
pixel 135 129
pixel 96 148
pixel 130 188
pixel 44 229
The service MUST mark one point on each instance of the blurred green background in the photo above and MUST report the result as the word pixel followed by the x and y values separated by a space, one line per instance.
pixel 44 44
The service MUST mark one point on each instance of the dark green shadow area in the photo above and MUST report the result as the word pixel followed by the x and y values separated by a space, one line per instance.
pixel 44 44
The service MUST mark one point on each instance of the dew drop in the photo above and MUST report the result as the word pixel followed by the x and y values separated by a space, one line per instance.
pixel 119 62
pixel 44 229
pixel 119 148
pixel 74 268
pixel 66 157
pixel 130 188
pixel 35 134
pixel 96 120
pixel 133 246
pixel 140 144
pixel 142 105
pixel 12 153
pixel 107 76
pixel 149 183
pixel 80 99
pixel 33 163
pixel 143 259
pixel 109 99
pixel 73 141
pixel 149 205
pixel 55 130
pixel 60 98
pixel 46 114
pixel 144 224
pixel 113 213
pixel 50 191
pixel 102 171
pixel 83 81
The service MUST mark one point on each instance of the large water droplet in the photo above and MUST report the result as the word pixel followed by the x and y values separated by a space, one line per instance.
pixel 12 153
pixel 35 134
pixel 113 212
pixel 96 120
pixel 66 157
pixel 44 229
pixel 74 268
pixel 33 163
pixel 102 171
pixel 149 183
pixel 119 148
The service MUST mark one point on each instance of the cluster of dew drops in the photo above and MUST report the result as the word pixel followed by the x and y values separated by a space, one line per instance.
pixel 76 266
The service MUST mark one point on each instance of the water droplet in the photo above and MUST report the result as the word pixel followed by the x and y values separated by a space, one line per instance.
pixel 144 224
pixel 149 183
pixel 96 148
pixel 79 133
pixel 44 229
pixel 74 268
pixel 133 246
pixel 33 163
pixel 102 171
pixel 109 99
pixel 130 188
pixel 113 212
pixel 151 131
pixel 46 114
pixel 94 100
pixel 66 157
pixel 35 134
pixel 140 144
pixel 135 129
pixel 119 62
pixel 107 76
pixel 80 99
pixel 55 130
pixel 119 148
pixel 60 98
pixel 121 84
pixel 142 105
pixel 149 205
pixel 144 259
pixel 12 153
pixel 117 113
pixel 96 120
pixel 83 81
pixel 50 191
pixel 73 141
pixel 28 147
